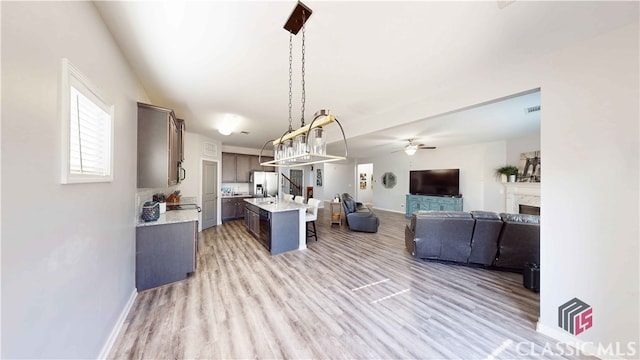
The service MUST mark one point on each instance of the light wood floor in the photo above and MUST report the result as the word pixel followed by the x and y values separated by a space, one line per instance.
pixel 349 295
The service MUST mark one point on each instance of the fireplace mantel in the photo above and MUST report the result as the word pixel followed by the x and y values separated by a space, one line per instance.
pixel 521 193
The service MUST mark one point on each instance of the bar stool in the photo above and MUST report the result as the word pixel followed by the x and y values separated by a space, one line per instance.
pixel 312 216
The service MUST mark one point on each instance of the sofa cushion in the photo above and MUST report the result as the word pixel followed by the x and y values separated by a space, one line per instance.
pixel 484 244
pixel 485 215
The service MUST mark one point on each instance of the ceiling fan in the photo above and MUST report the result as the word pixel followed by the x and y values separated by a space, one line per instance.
pixel 411 148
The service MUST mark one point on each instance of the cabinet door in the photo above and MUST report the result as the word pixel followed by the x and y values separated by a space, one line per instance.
pixel 267 168
pixel 228 209
pixel 254 164
pixel 228 167
pixel 173 151
pixel 243 168
pixel 240 206
pixel 181 130
pixel 255 224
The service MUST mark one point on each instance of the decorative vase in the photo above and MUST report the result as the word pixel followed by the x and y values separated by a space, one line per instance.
pixel 512 178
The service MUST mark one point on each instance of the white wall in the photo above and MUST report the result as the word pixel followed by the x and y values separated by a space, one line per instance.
pixel 68 251
pixel 477 162
pixel 590 230
pixel 193 156
pixel 517 146
pixel 338 179
pixel 590 187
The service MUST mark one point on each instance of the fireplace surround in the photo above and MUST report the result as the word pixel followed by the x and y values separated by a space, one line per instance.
pixel 521 194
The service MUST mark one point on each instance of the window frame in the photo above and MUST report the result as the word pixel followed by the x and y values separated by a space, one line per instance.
pixel 71 76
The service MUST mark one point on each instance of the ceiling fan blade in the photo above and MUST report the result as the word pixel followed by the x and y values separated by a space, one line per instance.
pixel 425 147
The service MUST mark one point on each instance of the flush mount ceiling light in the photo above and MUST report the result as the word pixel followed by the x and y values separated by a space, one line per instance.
pixel 308 144
pixel 229 123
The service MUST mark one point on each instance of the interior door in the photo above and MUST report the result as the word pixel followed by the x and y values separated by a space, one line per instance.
pixel 209 194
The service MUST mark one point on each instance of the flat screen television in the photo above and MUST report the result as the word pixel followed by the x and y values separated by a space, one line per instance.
pixel 442 182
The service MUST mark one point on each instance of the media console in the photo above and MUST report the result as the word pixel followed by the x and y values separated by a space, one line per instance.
pixel 424 202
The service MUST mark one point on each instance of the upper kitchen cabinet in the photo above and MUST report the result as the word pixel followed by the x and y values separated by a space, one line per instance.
pixel 236 168
pixel 267 168
pixel 160 144
pixel 181 130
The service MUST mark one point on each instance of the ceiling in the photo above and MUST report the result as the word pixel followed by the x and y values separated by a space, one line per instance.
pixel 213 61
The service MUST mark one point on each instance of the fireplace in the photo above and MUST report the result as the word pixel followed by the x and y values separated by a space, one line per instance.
pixel 528 209
pixel 517 194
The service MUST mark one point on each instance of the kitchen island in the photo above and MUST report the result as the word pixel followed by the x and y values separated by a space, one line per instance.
pixel 278 225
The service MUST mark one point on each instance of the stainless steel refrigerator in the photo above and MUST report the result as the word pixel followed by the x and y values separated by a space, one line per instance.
pixel 263 183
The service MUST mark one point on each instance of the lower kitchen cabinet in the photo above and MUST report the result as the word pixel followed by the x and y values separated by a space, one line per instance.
pixel 233 208
pixel 165 253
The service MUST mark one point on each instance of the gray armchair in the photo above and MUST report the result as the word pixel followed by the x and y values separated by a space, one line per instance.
pixel 358 217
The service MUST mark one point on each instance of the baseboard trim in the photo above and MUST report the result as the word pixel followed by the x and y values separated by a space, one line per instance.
pixel 106 348
pixel 585 347
pixel 389 210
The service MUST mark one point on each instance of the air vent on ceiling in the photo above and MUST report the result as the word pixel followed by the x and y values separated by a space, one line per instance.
pixel 529 110
pixel 244 132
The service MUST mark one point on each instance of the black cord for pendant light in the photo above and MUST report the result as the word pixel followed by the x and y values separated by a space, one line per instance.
pixel 303 88
pixel 290 75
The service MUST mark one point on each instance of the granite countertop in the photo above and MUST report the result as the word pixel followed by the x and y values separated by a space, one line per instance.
pixel 171 217
pixel 274 205
pixel 235 195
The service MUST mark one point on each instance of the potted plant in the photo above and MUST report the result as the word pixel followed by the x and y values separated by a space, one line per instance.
pixel 507 171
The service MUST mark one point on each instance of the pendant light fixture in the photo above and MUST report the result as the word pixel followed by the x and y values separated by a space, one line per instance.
pixel 308 144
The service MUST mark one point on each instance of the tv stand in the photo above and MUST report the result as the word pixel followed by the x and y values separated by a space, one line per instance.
pixel 426 202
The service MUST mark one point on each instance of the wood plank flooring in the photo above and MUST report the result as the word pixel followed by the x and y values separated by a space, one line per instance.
pixel 349 295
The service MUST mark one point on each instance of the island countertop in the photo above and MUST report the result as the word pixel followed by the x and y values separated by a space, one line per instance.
pixel 274 205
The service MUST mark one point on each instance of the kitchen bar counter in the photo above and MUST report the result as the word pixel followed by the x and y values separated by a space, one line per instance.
pixel 278 225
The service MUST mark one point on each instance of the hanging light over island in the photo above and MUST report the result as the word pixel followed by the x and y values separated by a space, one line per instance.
pixel 308 144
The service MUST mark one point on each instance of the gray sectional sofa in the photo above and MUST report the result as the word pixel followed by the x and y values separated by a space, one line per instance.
pixel 501 241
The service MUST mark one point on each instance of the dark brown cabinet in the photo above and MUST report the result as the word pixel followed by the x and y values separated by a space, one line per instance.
pixel 243 168
pixel 238 167
pixel 160 144
pixel 267 168
pixel 228 167
pixel 233 208
pixel 181 130
pixel 254 164
pixel 252 220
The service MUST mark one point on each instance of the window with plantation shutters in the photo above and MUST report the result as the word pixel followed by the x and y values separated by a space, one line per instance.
pixel 88 130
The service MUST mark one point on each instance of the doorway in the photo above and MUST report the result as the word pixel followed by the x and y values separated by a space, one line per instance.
pixel 364 189
pixel 209 194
